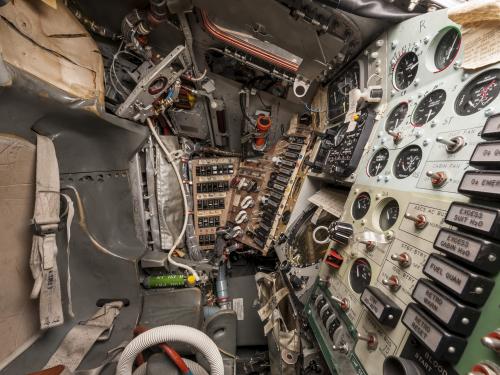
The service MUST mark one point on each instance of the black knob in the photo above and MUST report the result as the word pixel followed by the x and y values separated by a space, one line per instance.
pixel 400 366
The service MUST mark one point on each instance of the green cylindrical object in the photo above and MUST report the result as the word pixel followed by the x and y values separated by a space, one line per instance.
pixel 164 281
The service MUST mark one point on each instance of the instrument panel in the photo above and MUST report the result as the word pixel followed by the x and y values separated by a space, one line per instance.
pixel 419 275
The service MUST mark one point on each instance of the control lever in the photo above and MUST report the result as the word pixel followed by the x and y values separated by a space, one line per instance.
pixel 396 136
pixel 342 348
pixel 371 340
pixel 452 145
pixel 438 179
pixel 392 283
pixel 370 245
pixel 420 220
pixel 344 303
pixel 492 340
pixel 404 259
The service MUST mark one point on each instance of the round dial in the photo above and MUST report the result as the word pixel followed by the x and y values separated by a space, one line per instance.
pixel 360 275
pixel 389 215
pixel 406 70
pixel 447 48
pixel 340 136
pixel 429 107
pixel 396 116
pixel 338 93
pixel 361 205
pixel 478 93
pixel 378 162
pixel 407 161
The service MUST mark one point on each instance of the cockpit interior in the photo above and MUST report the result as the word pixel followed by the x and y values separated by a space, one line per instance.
pixel 236 187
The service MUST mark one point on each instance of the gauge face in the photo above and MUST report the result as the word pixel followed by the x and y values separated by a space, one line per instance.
pixel 378 162
pixel 360 275
pixel 407 161
pixel 361 205
pixel 396 116
pixel 429 107
pixel 447 49
pixel 478 93
pixel 340 136
pixel 338 93
pixel 406 70
pixel 389 215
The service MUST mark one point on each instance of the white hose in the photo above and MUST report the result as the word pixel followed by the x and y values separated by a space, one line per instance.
pixel 171 333
pixel 186 206
pixel 195 367
pixel 315 232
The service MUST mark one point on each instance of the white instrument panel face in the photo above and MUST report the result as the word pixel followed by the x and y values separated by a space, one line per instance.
pixel 427 135
pixel 365 266
pixel 410 139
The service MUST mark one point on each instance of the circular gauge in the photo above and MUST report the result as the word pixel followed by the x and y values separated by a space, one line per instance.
pixel 447 48
pixel 361 206
pixel 378 162
pixel 360 275
pixel 429 107
pixel 340 136
pixel 406 70
pixel 407 161
pixel 396 116
pixel 389 215
pixel 478 93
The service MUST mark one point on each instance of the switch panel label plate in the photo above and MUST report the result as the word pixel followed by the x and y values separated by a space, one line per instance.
pixel 473 217
pixel 372 303
pixel 440 306
pixel 488 152
pixel 447 275
pixel 421 328
pixel 481 183
pixel 456 244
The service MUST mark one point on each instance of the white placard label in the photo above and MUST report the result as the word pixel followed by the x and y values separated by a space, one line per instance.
pixel 487 152
pixel 472 217
pixel 485 183
pixel 239 308
pixel 372 303
pixel 456 244
pixel 449 276
pixel 492 126
pixel 440 306
pixel 421 328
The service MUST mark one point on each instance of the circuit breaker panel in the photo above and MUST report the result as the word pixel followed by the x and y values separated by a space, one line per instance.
pixel 416 289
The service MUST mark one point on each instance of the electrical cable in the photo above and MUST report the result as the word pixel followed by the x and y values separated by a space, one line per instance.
pixel 183 193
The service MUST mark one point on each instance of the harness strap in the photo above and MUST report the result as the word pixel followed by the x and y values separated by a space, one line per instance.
pixel 82 337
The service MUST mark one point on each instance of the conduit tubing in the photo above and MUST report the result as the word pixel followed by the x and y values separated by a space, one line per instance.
pixel 167 334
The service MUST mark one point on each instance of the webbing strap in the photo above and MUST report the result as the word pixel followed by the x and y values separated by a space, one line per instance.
pixel 82 337
pixel 43 260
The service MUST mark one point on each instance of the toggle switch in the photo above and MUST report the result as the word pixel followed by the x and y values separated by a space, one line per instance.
pixel 485 368
pixel 437 178
pixel 370 245
pixel 420 220
pixel 344 303
pixel 396 136
pixel 392 283
pixel 342 348
pixel 371 340
pixel 403 259
pixel 492 340
pixel 453 144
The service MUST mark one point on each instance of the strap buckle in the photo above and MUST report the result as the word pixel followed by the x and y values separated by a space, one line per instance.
pixel 45 229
